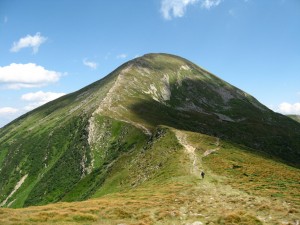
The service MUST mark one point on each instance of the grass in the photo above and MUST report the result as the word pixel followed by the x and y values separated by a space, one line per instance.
pixel 171 195
pixel 41 141
pixel 173 203
pixel 129 208
pixel 239 218
pixel 254 173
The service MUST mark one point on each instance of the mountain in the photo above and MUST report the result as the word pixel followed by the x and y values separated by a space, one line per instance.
pixel 152 124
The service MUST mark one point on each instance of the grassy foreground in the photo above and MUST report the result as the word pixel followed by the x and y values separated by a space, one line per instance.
pixel 175 203
pixel 240 187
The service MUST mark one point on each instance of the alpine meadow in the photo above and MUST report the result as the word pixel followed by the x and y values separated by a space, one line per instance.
pixel 130 149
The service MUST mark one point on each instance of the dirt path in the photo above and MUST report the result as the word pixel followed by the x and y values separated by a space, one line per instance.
pixel 182 138
pixel 196 163
pixel 211 196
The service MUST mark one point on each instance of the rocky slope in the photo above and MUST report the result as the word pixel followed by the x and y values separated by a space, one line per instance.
pixel 119 133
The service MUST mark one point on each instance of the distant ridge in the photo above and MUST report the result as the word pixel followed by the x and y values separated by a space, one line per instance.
pixel 295 117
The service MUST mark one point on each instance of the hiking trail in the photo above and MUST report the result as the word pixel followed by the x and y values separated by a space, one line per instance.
pixel 182 138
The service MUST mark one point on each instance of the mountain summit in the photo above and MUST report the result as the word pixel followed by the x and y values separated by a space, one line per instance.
pixel 162 89
pixel 127 129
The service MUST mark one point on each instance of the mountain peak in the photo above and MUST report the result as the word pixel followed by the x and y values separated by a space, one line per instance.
pixel 88 133
pixel 175 82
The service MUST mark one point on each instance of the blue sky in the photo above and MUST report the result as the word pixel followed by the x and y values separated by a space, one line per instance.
pixel 52 47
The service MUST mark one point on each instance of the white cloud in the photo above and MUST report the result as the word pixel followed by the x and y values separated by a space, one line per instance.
pixel 207 4
pixel 176 8
pixel 121 56
pixel 29 41
pixel 39 98
pixel 92 65
pixel 16 76
pixel 5 111
pixel 288 108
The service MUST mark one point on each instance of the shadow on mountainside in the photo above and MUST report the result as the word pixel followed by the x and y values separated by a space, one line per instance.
pixel 259 129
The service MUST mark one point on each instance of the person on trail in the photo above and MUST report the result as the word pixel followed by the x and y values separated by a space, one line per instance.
pixel 202 174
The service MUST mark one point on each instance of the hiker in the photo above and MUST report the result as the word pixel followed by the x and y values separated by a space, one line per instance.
pixel 202 174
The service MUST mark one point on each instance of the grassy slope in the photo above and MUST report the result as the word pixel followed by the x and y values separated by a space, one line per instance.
pixel 47 144
pixel 162 191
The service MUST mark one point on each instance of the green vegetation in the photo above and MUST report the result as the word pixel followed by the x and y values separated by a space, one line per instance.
pixel 131 147
pixel 244 171
pixel 48 145
pixel 154 186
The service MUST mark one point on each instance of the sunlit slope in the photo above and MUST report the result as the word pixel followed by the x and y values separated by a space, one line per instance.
pixel 49 143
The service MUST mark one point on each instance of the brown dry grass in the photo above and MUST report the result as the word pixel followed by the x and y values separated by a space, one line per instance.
pixel 173 203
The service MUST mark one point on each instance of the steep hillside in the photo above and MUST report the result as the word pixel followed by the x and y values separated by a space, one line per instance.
pixel 143 127
pixel 50 143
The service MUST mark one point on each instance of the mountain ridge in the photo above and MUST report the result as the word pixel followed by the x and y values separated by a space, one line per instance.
pixel 219 98
pixel 76 147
